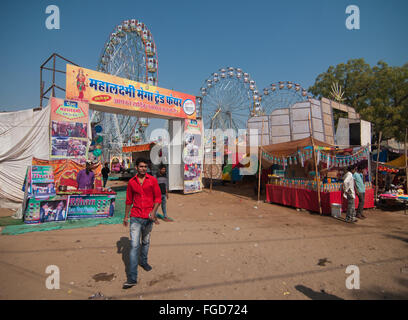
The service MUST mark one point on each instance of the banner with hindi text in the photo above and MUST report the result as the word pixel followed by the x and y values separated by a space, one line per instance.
pixel 122 94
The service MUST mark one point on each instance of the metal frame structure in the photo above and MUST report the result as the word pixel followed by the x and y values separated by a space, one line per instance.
pixel 53 85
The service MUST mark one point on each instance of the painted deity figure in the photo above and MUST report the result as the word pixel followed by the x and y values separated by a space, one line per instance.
pixel 81 79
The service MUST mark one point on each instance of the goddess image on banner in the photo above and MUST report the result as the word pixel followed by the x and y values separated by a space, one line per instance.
pixel 192 156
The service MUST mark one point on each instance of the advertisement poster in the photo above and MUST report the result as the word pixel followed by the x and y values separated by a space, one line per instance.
pixel 192 156
pixel 69 129
pixel 92 206
pixel 46 210
pixel 42 181
pixel 66 171
pixel 111 92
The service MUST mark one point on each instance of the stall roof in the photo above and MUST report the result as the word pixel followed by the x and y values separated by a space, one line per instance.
pixel 286 149
pixel 138 147
pixel 399 162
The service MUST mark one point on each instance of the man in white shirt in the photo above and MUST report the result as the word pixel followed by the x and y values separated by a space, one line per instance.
pixel 350 194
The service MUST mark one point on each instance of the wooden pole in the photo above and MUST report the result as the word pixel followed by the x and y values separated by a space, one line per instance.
pixel 376 170
pixel 406 160
pixel 212 160
pixel 317 176
pixel 260 164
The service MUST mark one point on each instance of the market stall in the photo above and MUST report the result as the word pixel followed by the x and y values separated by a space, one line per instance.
pixel 51 190
pixel 52 195
pixel 296 183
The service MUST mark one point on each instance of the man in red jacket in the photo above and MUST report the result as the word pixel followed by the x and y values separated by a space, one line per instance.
pixel 143 198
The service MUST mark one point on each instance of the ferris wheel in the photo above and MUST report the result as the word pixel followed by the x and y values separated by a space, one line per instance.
pixel 229 98
pixel 129 52
pixel 281 95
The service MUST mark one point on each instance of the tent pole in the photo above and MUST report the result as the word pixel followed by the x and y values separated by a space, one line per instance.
pixel 260 164
pixel 405 147
pixel 317 176
pixel 376 170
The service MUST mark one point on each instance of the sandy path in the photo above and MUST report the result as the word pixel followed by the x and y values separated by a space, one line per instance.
pixel 274 254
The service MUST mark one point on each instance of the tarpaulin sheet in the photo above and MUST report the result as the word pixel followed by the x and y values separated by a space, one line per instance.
pixel 23 135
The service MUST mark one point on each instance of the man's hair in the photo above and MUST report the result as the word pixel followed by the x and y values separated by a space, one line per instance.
pixel 162 166
pixel 140 160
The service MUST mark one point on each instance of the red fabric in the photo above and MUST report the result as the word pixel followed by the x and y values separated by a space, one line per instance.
pixel 142 197
pixel 308 199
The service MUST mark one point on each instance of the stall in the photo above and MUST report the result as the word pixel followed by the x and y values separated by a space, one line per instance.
pixel 295 182
pixel 51 193
pixel 50 189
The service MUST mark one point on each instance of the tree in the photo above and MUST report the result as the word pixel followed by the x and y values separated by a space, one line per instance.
pixel 378 94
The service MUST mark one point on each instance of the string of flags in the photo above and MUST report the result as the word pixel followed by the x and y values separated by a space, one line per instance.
pixel 301 156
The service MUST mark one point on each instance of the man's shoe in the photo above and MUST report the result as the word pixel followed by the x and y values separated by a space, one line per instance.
pixel 146 267
pixel 129 284
pixel 360 216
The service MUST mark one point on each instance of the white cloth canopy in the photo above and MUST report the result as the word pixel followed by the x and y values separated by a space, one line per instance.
pixel 23 135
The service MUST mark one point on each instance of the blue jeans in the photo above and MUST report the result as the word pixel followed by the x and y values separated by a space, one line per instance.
pixel 139 244
pixel 163 205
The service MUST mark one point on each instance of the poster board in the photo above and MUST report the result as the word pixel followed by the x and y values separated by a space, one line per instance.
pixel 192 156
pixel 46 210
pixel 90 206
pixel 68 129
pixel 41 181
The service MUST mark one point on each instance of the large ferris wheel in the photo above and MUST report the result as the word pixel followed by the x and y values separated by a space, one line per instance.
pixel 282 94
pixel 129 52
pixel 229 98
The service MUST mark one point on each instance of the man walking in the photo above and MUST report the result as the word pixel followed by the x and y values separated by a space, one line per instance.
pixel 105 173
pixel 163 184
pixel 143 198
pixel 360 188
pixel 349 194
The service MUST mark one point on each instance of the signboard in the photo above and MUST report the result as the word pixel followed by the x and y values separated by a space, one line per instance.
pixel 69 129
pixel 192 156
pixel 42 181
pixel 92 206
pixel 46 210
pixel 106 90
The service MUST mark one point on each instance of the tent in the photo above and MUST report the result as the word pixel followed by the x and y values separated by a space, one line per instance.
pixel 23 135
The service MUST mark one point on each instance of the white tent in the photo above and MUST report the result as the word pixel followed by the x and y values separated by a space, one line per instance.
pixel 23 135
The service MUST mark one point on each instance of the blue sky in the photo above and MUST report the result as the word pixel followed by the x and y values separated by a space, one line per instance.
pixel 272 40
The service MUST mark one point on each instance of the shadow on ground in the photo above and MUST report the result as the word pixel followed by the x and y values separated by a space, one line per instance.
pixel 316 295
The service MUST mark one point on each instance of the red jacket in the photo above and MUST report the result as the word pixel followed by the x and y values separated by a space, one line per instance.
pixel 142 197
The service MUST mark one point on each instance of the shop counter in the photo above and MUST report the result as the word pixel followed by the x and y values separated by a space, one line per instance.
pixel 308 199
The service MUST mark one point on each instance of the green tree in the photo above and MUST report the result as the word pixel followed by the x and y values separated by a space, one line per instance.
pixel 379 94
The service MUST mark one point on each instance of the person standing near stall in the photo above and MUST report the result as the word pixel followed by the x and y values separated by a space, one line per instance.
pixel 163 184
pixel 143 198
pixel 350 194
pixel 105 173
pixel 360 188
pixel 86 177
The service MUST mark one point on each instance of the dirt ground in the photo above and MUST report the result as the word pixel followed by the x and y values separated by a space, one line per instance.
pixel 222 245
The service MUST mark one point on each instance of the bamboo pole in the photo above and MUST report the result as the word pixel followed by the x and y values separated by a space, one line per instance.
pixel 260 164
pixel 317 176
pixel 406 160
pixel 376 170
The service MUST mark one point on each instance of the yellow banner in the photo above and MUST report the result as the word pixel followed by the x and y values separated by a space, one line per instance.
pixel 102 89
